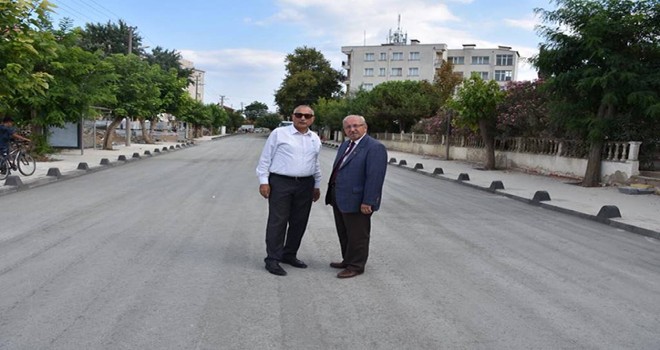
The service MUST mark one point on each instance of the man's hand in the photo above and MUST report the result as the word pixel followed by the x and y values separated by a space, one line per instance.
pixel 264 190
pixel 365 209
pixel 316 195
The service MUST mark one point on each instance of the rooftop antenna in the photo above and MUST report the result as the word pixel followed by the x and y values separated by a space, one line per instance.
pixel 365 37
pixel 398 37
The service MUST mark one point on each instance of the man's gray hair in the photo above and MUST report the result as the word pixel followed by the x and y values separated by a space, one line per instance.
pixel 355 115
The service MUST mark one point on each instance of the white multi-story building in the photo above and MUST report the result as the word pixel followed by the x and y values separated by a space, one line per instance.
pixel 196 88
pixel 368 66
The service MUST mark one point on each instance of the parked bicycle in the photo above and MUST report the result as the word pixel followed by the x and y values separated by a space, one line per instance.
pixel 18 159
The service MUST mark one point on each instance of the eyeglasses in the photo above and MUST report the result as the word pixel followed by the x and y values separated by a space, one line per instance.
pixel 303 115
pixel 352 126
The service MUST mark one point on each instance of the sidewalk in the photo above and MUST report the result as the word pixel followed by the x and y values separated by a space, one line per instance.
pixel 73 162
pixel 639 213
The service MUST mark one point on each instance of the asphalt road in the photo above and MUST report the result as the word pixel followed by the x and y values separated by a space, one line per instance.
pixel 167 253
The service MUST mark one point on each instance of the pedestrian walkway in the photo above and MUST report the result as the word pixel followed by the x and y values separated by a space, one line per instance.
pixel 638 213
pixel 69 163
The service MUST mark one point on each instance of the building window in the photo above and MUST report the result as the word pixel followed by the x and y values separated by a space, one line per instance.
pixel 504 60
pixel 367 86
pixel 480 60
pixel 413 72
pixel 456 59
pixel 397 72
pixel 413 56
pixel 381 72
pixel 368 72
pixel 483 75
pixel 383 56
pixel 397 56
pixel 503 75
pixel 369 56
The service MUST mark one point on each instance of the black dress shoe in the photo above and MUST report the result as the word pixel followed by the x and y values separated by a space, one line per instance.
pixel 295 263
pixel 275 268
pixel 337 265
pixel 348 273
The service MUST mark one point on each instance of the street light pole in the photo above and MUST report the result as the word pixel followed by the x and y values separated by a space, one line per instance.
pixel 127 129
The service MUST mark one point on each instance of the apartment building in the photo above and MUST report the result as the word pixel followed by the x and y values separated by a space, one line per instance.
pixel 196 88
pixel 368 66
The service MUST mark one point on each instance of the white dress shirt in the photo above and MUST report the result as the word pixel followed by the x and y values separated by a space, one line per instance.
pixel 291 153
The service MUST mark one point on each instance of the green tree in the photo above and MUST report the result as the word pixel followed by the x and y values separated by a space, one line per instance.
pixel 255 110
pixel 446 81
pixel 398 104
pixel 24 42
pixel 111 38
pixel 137 93
pixel 270 121
pixel 601 62
pixel 330 113
pixel 476 103
pixel 308 78
pixel 169 59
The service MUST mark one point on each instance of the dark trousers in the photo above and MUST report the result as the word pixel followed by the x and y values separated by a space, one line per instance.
pixel 289 205
pixel 354 231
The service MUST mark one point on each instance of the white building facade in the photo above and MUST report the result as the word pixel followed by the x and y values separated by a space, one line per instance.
pixel 196 88
pixel 368 66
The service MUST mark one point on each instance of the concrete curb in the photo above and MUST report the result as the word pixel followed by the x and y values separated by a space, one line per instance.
pixel 83 169
pixel 539 203
pixel 539 200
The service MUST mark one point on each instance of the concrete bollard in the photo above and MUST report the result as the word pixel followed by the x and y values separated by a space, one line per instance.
pixel 403 162
pixel 463 177
pixel 105 161
pixel 122 158
pixel 147 153
pixel 13 180
pixel 496 185
pixel 438 171
pixel 418 166
pixel 55 172
pixel 136 155
pixel 392 160
pixel 156 150
pixel 541 196
pixel 83 166
pixel 171 147
pixel 609 211
pixel 165 148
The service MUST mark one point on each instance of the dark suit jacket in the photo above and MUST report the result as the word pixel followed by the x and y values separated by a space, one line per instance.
pixel 360 178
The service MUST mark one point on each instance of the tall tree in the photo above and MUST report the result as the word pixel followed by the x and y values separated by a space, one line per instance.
pixel 524 111
pixel 255 110
pixel 446 81
pixel 308 78
pixel 168 59
pixel 397 105
pixel 111 38
pixel 601 61
pixel 476 103
pixel 24 42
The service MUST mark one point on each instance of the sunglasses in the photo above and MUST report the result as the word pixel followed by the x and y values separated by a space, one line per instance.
pixel 303 115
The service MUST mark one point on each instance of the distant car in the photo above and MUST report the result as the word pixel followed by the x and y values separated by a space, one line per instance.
pixel 285 123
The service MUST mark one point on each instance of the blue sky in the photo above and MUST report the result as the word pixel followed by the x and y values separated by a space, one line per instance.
pixel 241 45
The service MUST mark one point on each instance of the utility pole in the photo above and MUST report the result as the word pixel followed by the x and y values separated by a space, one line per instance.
pixel 127 129
pixel 222 101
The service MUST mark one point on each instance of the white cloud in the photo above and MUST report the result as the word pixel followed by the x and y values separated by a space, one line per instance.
pixel 527 23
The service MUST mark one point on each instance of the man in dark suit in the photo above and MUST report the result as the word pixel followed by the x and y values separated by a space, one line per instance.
pixel 354 191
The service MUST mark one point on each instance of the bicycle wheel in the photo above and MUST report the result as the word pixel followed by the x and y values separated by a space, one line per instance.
pixel 26 164
pixel 4 168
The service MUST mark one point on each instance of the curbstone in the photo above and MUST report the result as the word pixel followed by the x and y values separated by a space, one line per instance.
pixel 171 147
pixel 463 177
pixel 14 180
pixel 55 172
pixel 496 185
pixel 541 196
pixel 165 148
pixel 609 211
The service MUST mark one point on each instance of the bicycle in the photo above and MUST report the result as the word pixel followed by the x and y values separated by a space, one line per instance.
pixel 17 159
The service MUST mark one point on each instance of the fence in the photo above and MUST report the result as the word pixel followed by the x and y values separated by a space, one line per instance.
pixel 614 151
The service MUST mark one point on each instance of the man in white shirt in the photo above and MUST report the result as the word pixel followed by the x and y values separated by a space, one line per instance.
pixel 289 177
